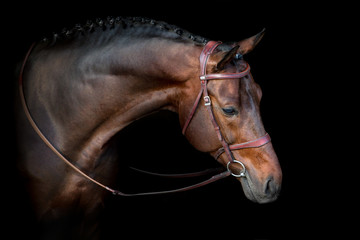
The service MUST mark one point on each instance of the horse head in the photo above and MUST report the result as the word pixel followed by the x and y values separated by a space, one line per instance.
pixel 227 114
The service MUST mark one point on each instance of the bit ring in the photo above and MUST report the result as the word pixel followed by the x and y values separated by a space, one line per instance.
pixel 242 172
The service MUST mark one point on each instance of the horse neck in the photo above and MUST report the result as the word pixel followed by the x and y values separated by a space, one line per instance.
pixel 114 86
pixel 157 59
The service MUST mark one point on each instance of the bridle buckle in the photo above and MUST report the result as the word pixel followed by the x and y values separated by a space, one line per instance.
pixel 207 101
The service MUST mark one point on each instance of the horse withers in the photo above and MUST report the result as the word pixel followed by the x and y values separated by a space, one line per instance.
pixel 79 88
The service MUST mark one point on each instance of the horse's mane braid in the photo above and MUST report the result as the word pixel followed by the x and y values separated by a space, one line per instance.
pixel 124 22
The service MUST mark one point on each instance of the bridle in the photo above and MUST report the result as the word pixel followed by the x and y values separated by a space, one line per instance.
pixel 204 78
pixel 205 54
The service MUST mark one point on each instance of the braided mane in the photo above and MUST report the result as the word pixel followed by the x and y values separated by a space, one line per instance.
pixel 122 23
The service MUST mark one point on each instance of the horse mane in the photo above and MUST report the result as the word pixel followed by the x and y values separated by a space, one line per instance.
pixel 111 24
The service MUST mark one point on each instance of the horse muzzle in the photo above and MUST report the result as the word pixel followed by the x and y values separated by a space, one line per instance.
pixel 260 192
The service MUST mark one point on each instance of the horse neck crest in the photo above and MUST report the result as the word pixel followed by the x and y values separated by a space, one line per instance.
pixel 110 23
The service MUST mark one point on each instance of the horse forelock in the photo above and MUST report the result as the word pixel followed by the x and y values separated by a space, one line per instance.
pixel 112 25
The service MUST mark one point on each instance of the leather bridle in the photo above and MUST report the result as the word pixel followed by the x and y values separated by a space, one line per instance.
pixel 205 54
pixel 204 78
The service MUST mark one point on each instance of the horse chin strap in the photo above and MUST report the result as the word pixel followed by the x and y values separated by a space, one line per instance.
pixel 204 78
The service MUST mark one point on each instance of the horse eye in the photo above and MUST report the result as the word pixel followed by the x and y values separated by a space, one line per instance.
pixel 230 111
pixel 238 56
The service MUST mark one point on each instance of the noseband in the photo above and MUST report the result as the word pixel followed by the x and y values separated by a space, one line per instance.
pixel 204 78
pixel 205 54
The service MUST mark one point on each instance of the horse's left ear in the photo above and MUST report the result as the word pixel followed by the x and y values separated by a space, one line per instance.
pixel 247 45
pixel 227 58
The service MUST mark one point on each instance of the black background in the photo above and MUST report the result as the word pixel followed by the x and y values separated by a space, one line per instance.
pixel 299 98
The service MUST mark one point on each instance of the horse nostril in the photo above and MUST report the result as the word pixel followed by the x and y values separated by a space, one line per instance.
pixel 269 186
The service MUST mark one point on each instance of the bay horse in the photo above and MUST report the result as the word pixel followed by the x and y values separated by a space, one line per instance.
pixel 80 87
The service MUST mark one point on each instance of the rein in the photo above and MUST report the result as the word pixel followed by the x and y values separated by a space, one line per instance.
pixel 205 54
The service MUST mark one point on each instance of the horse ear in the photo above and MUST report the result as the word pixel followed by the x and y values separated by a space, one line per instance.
pixel 227 58
pixel 247 45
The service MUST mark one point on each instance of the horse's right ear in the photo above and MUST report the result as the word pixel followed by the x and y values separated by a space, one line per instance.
pixel 247 45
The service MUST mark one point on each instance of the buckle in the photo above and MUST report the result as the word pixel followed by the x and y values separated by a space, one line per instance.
pixel 207 101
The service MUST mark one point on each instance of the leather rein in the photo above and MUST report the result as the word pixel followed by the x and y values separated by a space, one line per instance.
pixel 226 148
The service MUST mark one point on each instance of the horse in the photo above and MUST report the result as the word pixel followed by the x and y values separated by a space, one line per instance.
pixel 82 86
